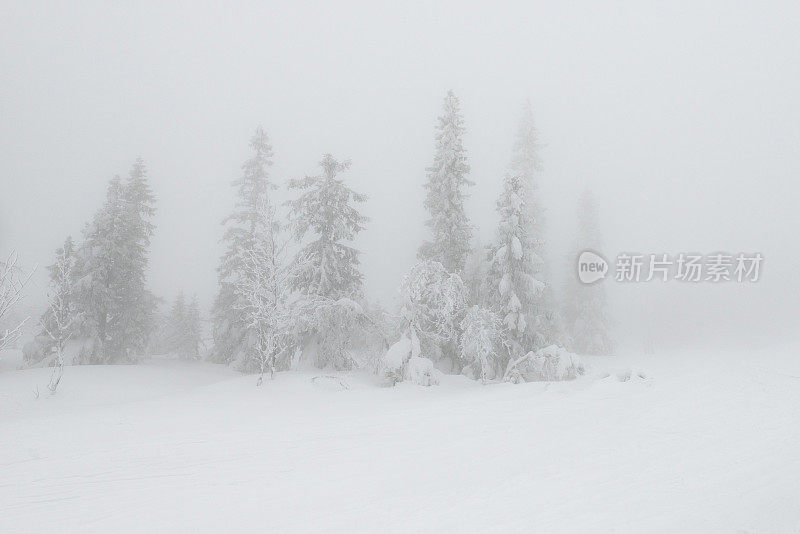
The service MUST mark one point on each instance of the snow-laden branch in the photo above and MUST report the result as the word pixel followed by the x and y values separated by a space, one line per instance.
pixel 12 284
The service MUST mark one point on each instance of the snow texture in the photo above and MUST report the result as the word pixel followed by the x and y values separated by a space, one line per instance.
pixel 547 364
pixel 707 442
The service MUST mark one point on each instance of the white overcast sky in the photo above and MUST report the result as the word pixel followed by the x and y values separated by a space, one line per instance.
pixel 683 117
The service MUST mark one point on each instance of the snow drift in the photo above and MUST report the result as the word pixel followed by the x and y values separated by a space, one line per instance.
pixel 547 364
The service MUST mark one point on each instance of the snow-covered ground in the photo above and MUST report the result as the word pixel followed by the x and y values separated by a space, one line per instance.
pixel 706 442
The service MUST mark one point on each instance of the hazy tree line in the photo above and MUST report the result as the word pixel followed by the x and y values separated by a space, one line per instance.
pixel 291 289
pixel 98 290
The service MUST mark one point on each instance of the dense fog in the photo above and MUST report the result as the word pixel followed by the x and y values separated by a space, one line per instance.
pixel 399 266
pixel 681 119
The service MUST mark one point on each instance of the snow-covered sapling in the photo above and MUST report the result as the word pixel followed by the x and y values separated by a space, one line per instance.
pixel 59 322
pixel 261 295
pixel 482 340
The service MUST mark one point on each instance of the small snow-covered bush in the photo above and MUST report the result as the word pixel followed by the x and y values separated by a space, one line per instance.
pixel 434 302
pixel 421 371
pixel 395 359
pixel 481 337
pixel 401 362
pixel 547 364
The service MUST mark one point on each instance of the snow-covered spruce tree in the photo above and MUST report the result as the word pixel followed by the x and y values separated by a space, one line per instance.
pixel 252 224
pixel 325 209
pixel 433 304
pixel 328 278
pixel 585 307
pixel 175 325
pixel 482 344
pixel 60 319
pixel 512 287
pixel 446 192
pixel 546 327
pixel 183 332
pixel 98 275
pixel 137 305
pixel 194 329
pixel 116 307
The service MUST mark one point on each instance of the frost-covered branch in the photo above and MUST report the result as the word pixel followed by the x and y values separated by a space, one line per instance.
pixel 12 285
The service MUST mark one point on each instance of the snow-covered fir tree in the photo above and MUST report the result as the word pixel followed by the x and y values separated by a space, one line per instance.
pixel 326 210
pixel 512 288
pixel 252 226
pixel 135 320
pixel 175 324
pixel 446 192
pixel 116 309
pixel 183 332
pixel 327 277
pixel 194 329
pixel 96 267
pixel 546 327
pixel 585 307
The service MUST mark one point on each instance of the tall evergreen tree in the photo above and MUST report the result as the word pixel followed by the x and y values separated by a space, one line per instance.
pixel 98 258
pixel 545 328
pixel 326 271
pixel 251 226
pixel 446 192
pixel 183 333
pixel 194 329
pixel 138 305
pixel 513 289
pixel 116 307
pixel 176 325
pixel 585 307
